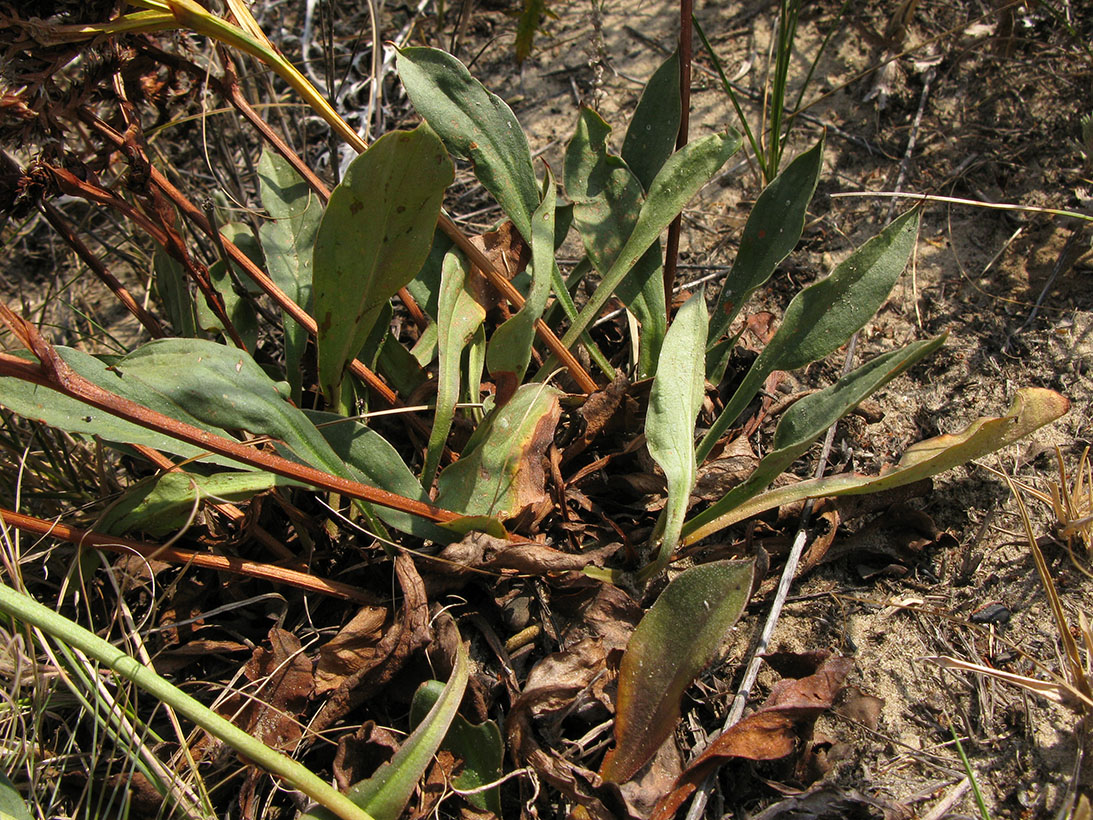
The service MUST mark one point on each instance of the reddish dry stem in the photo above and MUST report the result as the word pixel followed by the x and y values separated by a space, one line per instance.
pixel 174 555
pixel 55 374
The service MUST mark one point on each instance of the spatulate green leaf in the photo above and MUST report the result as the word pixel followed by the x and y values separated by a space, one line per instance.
pixel 476 124
pixel 651 135
pixel 288 239
pixel 459 317
pixel 373 239
pixel 607 198
pixel 1032 408
pixel 674 401
pixel 678 638
pixel 164 504
pixel 810 417
pixel 773 230
pixel 825 314
pixel 72 416
pixel 682 176
pixel 500 470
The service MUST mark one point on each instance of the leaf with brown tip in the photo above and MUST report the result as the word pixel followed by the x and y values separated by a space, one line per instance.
pixel 675 641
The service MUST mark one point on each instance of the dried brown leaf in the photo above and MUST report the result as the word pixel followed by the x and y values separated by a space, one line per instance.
pixel 767 734
pixel 283 673
pixel 407 634
pixel 352 649
pixel 360 754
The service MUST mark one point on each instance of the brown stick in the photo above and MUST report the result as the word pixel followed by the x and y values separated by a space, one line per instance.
pixel 174 555
pixel 61 225
pixel 686 37
pixel 54 373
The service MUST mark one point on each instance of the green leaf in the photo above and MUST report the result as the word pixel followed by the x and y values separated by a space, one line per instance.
pixel 12 804
pixel 72 416
pixel 526 27
pixel 651 135
pixel 385 794
pixel 674 401
pixel 173 289
pixel 425 287
pixel 1032 408
pixel 683 176
pixel 288 240
pixel 476 124
pixel 373 239
pixel 164 504
pixel 607 199
pixel 810 417
pixel 678 638
pixel 459 317
pixel 500 470
pixel 509 350
pixel 479 745
pixel 372 460
pixel 825 314
pixel 222 388
pixel 773 229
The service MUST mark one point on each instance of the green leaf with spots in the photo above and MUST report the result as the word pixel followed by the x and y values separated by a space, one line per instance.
pixel 373 239
pixel 476 124
pixel 678 638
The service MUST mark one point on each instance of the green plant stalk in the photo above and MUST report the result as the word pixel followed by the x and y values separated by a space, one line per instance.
pixel 121 724
pixel 979 802
pixel 24 608
pixel 755 149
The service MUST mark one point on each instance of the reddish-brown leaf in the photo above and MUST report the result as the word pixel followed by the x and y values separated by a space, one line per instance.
pixel 352 649
pixel 768 734
pixel 407 634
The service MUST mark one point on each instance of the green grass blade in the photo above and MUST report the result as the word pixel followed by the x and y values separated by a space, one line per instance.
pixel 23 608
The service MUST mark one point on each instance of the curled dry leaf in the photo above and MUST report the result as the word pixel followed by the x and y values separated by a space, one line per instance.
pixel 833 803
pixel 270 712
pixel 597 412
pixel 509 253
pixel 362 752
pixel 407 634
pixel 553 689
pixel 352 649
pixel 767 734
pixel 478 551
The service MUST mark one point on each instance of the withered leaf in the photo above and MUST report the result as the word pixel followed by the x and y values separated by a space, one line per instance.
pixel 767 734
pixel 270 715
pixel 485 552
pixel 508 252
pixel 407 634
pixel 352 649
pixel 831 803
pixel 361 753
